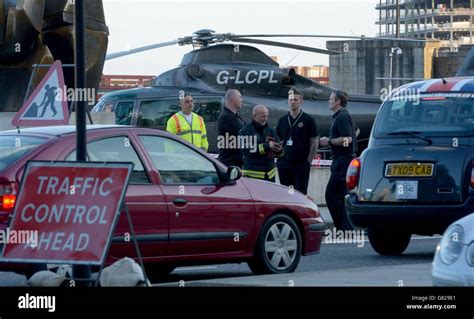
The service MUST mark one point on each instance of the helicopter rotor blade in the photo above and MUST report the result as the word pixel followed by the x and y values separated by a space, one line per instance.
pixel 246 38
pixel 323 36
pixel 285 45
pixel 141 49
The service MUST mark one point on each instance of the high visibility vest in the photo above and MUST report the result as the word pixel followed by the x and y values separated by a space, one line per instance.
pixel 195 133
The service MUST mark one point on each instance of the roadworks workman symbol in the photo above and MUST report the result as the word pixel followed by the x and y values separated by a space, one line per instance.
pixel 44 106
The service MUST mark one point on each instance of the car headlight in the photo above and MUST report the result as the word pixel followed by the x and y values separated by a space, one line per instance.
pixel 452 244
pixel 470 255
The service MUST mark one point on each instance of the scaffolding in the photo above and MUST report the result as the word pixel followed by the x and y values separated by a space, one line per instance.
pixel 449 21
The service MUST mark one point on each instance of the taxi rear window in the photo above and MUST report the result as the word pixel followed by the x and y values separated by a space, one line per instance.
pixel 437 115
pixel 13 147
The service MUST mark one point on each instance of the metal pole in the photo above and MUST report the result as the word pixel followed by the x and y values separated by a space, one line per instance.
pixel 80 80
pixel 30 85
pixel 391 67
pixel 80 272
pixel 135 243
pixel 397 31
pixel 451 32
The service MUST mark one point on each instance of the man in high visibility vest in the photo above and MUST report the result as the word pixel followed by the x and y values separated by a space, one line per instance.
pixel 188 125
pixel 261 147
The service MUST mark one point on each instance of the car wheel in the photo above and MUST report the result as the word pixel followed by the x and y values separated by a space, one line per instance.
pixel 157 269
pixel 388 242
pixel 278 247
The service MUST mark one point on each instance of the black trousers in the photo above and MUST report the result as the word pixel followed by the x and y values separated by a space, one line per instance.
pixel 335 192
pixel 296 176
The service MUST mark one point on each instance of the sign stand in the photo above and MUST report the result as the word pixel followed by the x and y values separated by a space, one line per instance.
pixel 135 243
pixel 137 250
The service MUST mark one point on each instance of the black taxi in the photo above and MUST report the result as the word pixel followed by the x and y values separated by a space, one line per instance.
pixel 417 174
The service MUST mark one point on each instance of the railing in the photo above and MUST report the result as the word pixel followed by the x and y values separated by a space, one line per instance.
pixel 389 3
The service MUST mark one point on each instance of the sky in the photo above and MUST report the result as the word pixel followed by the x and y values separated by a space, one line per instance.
pixel 135 23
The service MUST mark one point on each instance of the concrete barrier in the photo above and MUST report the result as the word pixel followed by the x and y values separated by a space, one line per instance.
pixel 318 180
pixel 97 118
pixel 6 121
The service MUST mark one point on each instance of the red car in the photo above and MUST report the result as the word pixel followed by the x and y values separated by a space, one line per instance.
pixel 187 208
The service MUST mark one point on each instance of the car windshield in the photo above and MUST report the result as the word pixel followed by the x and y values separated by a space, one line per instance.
pixel 441 114
pixel 12 147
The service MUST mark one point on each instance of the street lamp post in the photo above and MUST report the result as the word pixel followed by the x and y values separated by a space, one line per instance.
pixel 398 51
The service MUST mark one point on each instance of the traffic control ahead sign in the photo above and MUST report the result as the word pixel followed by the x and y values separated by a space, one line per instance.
pixel 71 209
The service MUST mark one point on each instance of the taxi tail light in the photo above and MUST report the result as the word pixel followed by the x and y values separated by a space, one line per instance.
pixel 472 177
pixel 352 176
pixel 8 192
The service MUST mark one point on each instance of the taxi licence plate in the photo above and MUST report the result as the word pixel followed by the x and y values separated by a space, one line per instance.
pixel 409 170
pixel 407 190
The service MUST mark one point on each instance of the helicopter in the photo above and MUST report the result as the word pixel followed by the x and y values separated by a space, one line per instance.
pixel 213 67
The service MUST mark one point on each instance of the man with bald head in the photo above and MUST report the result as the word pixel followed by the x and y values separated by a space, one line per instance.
pixel 260 146
pixel 188 125
pixel 229 124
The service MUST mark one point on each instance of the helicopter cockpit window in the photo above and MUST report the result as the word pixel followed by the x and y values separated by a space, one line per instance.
pixel 123 113
pixel 157 112
pixel 208 109
pixel 103 106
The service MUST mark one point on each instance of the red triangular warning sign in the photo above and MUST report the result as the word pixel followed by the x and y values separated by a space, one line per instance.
pixel 47 105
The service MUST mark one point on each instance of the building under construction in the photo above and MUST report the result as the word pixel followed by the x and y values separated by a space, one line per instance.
pixel 450 21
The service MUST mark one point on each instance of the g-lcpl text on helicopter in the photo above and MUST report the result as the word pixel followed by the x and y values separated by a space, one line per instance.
pixel 212 68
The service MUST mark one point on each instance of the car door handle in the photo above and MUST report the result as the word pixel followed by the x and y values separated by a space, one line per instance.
pixel 180 201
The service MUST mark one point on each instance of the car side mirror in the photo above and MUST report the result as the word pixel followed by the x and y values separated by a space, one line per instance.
pixel 233 173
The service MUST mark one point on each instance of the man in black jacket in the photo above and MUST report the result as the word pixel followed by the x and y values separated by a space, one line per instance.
pixel 299 134
pixel 229 124
pixel 260 146
pixel 342 140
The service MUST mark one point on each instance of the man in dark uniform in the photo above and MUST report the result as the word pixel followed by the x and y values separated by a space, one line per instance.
pixel 261 148
pixel 342 141
pixel 229 125
pixel 299 134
